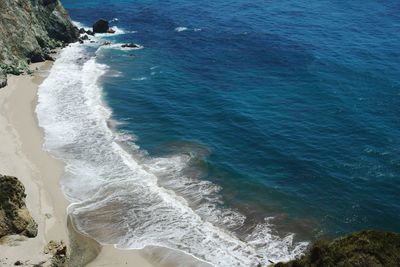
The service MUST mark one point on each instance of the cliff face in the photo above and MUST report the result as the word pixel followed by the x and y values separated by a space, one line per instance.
pixel 29 29
pixel 14 216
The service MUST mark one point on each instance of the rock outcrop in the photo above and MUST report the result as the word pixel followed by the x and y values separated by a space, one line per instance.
pixel 14 215
pixel 29 29
pixel 58 250
pixel 3 78
pixel 367 248
pixel 101 26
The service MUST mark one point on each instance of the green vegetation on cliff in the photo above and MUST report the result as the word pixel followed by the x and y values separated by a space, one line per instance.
pixel 364 249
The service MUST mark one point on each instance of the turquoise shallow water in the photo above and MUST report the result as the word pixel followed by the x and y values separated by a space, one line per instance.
pixel 290 109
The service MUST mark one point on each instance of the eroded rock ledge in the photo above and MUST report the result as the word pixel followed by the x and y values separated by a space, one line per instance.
pixel 14 215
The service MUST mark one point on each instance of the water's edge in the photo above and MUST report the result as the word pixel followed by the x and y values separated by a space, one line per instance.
pixel 101 175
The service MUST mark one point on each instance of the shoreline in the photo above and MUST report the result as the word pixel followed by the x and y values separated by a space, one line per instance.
pixel 22 155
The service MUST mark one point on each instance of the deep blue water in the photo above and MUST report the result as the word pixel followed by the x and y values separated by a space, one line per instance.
pixel 292 107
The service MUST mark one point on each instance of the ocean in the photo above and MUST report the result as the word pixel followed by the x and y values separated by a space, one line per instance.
pixel 239 131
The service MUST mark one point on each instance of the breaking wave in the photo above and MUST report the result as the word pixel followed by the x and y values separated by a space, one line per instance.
pixel 131 199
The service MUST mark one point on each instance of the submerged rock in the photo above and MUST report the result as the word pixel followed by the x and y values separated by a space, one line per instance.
pixel 367 248
pixel 101 26
pixel 14 215
pixel 130 45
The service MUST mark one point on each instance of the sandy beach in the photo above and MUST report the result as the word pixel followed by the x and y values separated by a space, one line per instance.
pixel 21 155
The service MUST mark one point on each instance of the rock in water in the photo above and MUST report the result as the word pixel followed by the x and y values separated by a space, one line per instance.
pixel 367 248
pixel 14 215
pixel 3 79
pixel 130 45
pixel 101 26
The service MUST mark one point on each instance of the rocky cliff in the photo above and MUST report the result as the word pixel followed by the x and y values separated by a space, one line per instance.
pixel 29 29
pixel 14 216
pixel 361 249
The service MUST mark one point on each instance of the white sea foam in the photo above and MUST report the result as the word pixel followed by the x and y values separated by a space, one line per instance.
pixel 139 78
pixel 133 200
pixel 114 73
pixel 80 25
pixel 181 29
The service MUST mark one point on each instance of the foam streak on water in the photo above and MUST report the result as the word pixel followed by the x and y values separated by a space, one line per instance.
pixel 116 198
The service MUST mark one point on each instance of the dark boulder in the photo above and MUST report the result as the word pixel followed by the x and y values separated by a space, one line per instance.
pixel 82 31
pixel 111 31
pixel 101 26
pixel 89 32
pixel 36 57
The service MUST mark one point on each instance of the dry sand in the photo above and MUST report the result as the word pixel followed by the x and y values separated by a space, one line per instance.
pixel 21 155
